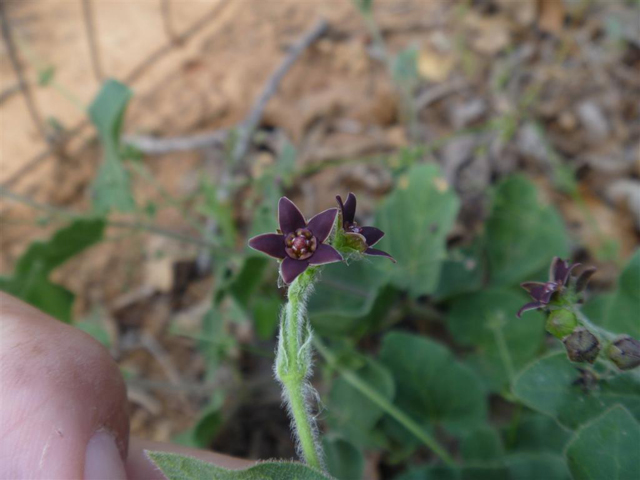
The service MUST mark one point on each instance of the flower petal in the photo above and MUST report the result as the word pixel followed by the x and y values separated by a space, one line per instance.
pixel 325 254
pixel 560 270
pixel 372 235
pixel 321 224
pixel 556 264
pixel 349 209
pixel 529 286
pixel 584 278
pixel 270 243
pixel 290 269
pixel 529 306
pixel 379 253
pixel 289 216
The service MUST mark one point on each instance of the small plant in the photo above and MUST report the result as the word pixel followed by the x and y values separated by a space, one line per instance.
pixel 303 248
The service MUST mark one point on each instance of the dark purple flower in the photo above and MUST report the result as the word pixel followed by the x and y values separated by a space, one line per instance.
pixel 367 236
pixel 559 276
pixel 298 243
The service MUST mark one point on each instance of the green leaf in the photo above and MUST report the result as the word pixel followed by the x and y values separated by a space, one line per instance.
pixel 248 279
pixel 431 385
pixel 512 467
pixel 64 244
pixel 111 188
pixel 30 280
pixel 606 448
pixel 351 413
pixel 344 460
pixel 481 445
pixel 346 295
pixel 416 218
pixel 622 310
pixel 464 473
pixel 53 299
pixel 548 386
pixel 204 431
pixel 535 466
pixel 522 234
pixel 538 433
pixel 179 467
pixel 462 272
pixel 503 343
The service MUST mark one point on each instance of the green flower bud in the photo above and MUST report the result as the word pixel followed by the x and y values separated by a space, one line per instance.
pixel 625 352
pixel 582 346
pixel 561 323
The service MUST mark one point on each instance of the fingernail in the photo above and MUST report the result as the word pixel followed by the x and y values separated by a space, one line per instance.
pixel 102 459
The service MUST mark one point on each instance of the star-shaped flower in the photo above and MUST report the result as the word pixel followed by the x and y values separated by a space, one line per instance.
pixel 299 243
pixel 357 235
pixel 559 276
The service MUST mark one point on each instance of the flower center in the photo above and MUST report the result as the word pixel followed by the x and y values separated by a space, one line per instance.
pixel 353 227
pixel 300 244
pixel 551 287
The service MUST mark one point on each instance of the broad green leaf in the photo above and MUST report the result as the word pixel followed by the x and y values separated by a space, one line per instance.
pixel 622 313
pixel 351 413
pixel 462 272
pixel 523 234
pixel 536 466
pixel 345 295
pixel 607 448
pixel 481 445
pixel 111 187
pixel 344 460
pixel 179 467
pixel 431 385
pixel 416 218
pixel 30 281
pixel 549 386
pixel 512 467
pixel 451 473
pixel 49 297
pixel 537 433
pixel 503 343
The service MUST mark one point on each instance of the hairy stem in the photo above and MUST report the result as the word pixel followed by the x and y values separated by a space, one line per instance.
pixel 293 368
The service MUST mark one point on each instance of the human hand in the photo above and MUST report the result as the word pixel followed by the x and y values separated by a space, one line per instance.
pixel 63 405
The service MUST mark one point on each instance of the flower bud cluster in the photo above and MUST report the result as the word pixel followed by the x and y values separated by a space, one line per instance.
pixel 559 298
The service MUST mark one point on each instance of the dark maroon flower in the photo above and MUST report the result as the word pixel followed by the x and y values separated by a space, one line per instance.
pixel 559 276
pixel 367 236
pixel 298 243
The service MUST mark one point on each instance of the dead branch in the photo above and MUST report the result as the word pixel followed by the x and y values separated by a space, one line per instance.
pixel 154 145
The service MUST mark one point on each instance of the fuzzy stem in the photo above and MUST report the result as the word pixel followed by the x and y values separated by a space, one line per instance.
pixel 293 367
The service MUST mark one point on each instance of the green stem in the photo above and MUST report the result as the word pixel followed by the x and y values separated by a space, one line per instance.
pixel 293 367
pixel 385 405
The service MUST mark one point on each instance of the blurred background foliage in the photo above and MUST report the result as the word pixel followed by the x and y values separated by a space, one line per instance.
pixel 142 146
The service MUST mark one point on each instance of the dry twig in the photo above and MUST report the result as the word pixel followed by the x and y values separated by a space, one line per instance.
pixel 154 145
